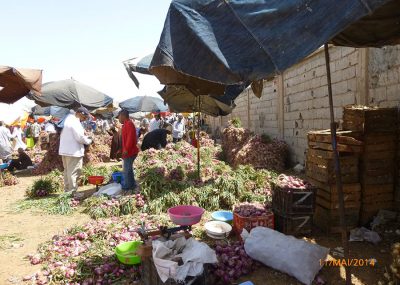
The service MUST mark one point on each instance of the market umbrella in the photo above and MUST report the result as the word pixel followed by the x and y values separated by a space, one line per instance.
pixel 16 83
pixel 269 36
pixel 180 99
pixel 71 94
pixel 54 111
pixel 144 104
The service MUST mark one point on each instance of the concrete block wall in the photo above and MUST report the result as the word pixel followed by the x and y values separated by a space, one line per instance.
pixel 297 101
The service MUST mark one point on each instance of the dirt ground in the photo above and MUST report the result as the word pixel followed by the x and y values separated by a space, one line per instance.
pixel 23 231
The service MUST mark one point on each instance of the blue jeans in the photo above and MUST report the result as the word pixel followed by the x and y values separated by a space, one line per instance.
pixel 129 176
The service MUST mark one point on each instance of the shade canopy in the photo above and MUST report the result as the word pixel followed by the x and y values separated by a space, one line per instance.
pixel 181 99
pixel 16 83
pixel 71 94
pixel 54 111
pixel 207 45
pixel 144 104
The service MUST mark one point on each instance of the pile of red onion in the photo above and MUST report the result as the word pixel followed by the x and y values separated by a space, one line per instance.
pixel 292 182
pixel 233 262
pixel 251 210
pixel 85 255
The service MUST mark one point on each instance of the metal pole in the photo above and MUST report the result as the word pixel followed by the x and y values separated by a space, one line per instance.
pixel 339 185
pixel 198 140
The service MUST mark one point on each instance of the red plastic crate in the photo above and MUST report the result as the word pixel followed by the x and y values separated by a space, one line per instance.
pixel 248 223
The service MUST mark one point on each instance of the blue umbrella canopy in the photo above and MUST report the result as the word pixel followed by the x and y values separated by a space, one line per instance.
pixel 144 104
pixel 58 112
pixel 71 94
pixel 207 45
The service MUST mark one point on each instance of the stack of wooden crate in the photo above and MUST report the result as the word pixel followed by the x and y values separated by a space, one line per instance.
pixel 377 128
pixel 320 171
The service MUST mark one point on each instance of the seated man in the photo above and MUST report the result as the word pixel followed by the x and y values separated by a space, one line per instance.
pixel 156 139
pixel 22 162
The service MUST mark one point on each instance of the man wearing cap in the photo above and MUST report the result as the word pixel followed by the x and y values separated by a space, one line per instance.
pixel 178 129
pixel 129 150
pixel 72 141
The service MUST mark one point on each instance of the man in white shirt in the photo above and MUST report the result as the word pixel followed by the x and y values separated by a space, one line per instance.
pixel 178 129
pixel 72 141
pixel 155 123
pixel 5 144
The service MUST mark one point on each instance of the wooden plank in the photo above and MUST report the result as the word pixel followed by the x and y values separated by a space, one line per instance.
pixel 371 190
pixel 375 206
pixel 378 198
pixel 385 146
pixel 347 188
pixel 374 180
pixel 327 219
pixel 328 154
pixel 323 175
pixel 346 161
pixel 324 136
pixel 335 205
pixel 333 197
pixel 340 147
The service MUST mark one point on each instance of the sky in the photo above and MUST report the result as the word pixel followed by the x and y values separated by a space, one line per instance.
pixel 84 39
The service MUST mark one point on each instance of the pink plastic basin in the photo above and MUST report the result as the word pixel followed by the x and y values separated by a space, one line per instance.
pixel 185 215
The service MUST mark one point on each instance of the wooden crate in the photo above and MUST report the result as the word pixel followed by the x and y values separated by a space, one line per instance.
pixel 350 201
pixel 376 178
pixel 298 224
pixel 323 170
pixel 293 201
pixel 331 188
pixel 328 220
pixel 369 190
pixel 333 197
pixel 371 209
pixel 345 141
pixel 368 120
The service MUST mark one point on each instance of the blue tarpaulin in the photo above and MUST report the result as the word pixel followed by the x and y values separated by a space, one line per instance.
pixel 208 44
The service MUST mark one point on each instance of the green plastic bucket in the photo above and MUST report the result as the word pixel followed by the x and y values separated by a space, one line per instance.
pixel 126 252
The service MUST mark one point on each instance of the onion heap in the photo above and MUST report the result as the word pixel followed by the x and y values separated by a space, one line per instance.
pixel 233 140
pixel 8 179
pixel 233 262
pixel 85 255
pixel 51 159
pixel 99 150
pixel 252 209
pixel 256 152
pixel 242 148
pixel 288 182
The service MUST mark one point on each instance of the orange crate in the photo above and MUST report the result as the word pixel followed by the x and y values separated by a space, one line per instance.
pixel 248 223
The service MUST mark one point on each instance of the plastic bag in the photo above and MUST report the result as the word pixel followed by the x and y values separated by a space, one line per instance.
pixel 193 253
pixel 112 190
pixel 287 254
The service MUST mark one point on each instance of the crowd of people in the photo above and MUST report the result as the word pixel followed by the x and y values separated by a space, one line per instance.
pixel 128 137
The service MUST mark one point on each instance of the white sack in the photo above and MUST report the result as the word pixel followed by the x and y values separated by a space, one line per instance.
pixel 112 190
pixel 193 253
pixel 287 254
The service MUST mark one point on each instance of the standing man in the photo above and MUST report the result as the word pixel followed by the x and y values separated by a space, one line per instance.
pixel 129 150
pixel 5 144
pixel 178 129
pixel 72 141
pixel 155 123
pixel 35 131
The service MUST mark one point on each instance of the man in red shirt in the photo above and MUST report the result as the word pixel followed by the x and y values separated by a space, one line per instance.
pixel 129 150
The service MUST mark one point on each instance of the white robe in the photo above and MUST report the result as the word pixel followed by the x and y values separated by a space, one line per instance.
pixel 17 135
pixel 5 144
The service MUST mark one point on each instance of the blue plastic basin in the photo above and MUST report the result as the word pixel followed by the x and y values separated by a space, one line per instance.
pixel 222 216
pixel 3 165
pixel 118 177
